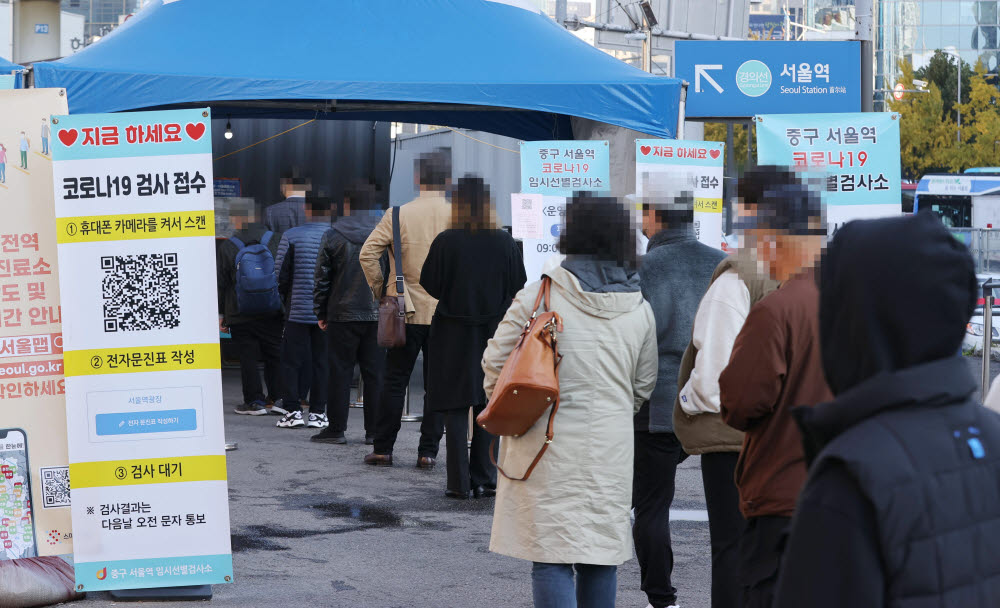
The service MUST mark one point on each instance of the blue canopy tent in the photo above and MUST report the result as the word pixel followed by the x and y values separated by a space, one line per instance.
pixel 493 65
pixel 7 68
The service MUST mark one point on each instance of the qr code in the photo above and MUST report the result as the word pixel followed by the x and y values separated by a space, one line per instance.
pixel 141 292
pixel 55 487
pixel 526 204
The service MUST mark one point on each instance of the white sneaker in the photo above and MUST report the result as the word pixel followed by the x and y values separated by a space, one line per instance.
pixel 278 408
pixel 291 421
pixel 318 421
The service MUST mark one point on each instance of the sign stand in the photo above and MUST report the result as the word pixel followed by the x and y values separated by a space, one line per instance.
pixel 187 593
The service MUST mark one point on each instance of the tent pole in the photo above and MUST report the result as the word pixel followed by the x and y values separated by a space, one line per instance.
pixel 681 110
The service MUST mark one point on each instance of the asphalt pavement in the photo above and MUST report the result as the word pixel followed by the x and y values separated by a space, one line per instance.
pixel 313 526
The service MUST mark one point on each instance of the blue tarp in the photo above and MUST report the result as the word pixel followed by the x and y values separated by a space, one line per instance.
pixel 7 67
pixel 483 64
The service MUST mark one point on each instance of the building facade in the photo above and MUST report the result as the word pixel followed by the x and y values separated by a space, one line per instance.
pixel 101 16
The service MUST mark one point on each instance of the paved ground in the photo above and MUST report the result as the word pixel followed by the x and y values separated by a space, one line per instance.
pixel 312 526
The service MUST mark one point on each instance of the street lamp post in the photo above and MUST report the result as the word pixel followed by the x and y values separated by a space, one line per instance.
pixel 958 97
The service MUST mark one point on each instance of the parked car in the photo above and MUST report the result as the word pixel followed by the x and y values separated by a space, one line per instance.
pixel 974 329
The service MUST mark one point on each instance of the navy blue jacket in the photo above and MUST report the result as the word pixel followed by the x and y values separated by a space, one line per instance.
pixel 296 265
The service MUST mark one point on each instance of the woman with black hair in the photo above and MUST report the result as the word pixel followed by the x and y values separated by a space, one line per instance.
pixel 473 269
pixel 571 517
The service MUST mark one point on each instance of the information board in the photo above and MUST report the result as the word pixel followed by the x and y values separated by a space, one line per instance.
pixel 135 225
pixel 855 154
pixel 668 167
pixel 560 168
pixel 34 472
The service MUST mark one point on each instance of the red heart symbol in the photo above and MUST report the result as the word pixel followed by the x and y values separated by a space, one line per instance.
pixel 68 137
pixel 645 150
pixel 713 153
pixel 195 131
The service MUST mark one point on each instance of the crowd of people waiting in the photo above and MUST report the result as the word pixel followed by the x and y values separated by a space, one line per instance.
pixel 845 457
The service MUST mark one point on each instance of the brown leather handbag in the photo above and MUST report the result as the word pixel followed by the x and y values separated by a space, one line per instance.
pixel 529 381
pixel 392 309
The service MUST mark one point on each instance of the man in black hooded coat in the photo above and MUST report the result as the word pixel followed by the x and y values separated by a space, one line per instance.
pixel 902 505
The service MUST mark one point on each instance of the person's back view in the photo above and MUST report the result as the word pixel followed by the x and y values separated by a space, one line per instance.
pixel 420 221
pixel 902 504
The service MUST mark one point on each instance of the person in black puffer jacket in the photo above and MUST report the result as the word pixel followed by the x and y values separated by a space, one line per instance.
pixel 902 504
pixel 343 304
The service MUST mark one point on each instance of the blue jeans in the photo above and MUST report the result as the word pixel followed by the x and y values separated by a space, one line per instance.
pixel 45 145
pixel 552 585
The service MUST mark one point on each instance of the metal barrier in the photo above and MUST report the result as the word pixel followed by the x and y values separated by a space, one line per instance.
pixel 984 245
pixel 987 334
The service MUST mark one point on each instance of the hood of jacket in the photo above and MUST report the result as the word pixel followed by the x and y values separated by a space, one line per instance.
pixel 357 228
pixel 894 293
pixel 603 304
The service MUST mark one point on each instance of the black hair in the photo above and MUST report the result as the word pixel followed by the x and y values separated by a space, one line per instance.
pixel 756 182
pixel 318 205
pixel 362 196
pixel 293 178
pixel 599 227
pixel 434 168
pixel 470 204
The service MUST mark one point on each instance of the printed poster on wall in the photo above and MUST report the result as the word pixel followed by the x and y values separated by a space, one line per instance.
pixel 855 154
pixel 135 225
pixel 553 171
pixel 34 472
pixel 665 167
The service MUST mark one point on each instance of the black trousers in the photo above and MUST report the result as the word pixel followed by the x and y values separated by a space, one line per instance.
pixel 399 364
pixel 258 340
pixel 303 360
pixel 656 458
pixel 468 466
pixel 725 526
pixel 354 343
pixel 761 546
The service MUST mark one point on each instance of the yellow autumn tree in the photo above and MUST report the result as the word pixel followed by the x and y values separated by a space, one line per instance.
pixel 924 143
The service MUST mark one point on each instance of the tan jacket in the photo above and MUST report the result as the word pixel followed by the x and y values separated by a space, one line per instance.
pixel 575 506
pixel 422 219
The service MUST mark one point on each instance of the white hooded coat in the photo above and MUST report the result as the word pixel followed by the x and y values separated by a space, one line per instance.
pixel 575 506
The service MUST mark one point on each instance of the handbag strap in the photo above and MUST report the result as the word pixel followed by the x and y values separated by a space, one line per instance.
pixel 549 434
pixel 397 251
pixel 543 296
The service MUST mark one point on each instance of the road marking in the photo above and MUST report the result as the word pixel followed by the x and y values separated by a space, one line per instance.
pixel 688 515
pixel 701 71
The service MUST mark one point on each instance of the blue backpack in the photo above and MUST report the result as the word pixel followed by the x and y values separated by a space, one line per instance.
pixel 256 283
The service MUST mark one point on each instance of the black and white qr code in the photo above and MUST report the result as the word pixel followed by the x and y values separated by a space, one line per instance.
pixel 55 487
pixel 526 204
pixel 141 292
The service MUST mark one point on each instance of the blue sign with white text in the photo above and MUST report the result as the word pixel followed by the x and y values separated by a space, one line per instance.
pixel 740 79
pixel 41 28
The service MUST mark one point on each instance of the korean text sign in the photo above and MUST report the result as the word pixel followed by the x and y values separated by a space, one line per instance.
pixel 34 471
pixel 740 79
pixel 135 224
pixel 560 168
pixel 668 168
pixel 857 155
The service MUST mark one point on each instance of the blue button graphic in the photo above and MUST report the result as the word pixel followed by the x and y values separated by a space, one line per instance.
pixel 159 421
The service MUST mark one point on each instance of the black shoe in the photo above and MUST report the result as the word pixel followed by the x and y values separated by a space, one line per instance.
pixel 456 494
pixel 324 437
pixel 483 492
pixel 369 439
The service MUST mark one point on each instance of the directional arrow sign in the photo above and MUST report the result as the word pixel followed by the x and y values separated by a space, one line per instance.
pixel 701 71
pixel 740 79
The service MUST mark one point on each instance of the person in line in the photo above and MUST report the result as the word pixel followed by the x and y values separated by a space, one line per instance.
pixel 303 345
pixel 3 164
pixel 902 504
pixel 343 304
pixel 290 212
pixel 474 269
pixel 421 220
pixel 736 285
pixel 571 517
pixel 256 336
pixel 674 274
pixel 25 146
pixel 775 365
pixel 46 132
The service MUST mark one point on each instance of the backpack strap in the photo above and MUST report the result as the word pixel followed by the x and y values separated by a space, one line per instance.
pixel 239 244
pixel 397 250
pixel 265 238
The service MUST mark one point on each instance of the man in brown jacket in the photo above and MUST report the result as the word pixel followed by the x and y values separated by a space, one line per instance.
pixel 775 365
pixel 421 220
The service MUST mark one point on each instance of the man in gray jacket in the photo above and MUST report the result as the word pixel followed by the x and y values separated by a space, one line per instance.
pixel 674 275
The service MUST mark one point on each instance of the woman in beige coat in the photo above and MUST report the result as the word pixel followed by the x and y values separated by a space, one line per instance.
pixel 573 512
